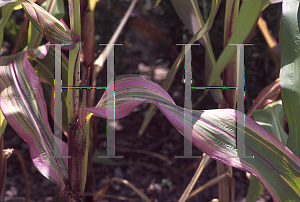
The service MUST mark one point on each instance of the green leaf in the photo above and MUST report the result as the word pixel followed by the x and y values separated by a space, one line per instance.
pixel 255 190
pixel 271 118
pixel 214 132
pixel 171 75
pixel 249 13
pixel 231 15
pixel 55 8
pixel 3 124
pixel 190 15
pixel 6 12
pixel 290 71
pixel 157 3
pixel 12 30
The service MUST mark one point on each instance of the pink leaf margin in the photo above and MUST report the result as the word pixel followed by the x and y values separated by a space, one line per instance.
pixel 213 132
pixel 23 105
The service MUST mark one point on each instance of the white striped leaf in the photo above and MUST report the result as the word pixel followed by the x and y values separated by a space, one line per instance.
pixel 214 132
pixel 52 29
pixel 23 105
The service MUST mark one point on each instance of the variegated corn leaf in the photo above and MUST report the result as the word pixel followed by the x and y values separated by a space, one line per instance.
pixel 52 29
pixel 214 132
pixel 56 9
pixel 45 69
pixel 23 105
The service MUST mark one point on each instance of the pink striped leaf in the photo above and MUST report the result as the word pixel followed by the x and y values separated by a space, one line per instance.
pixel 45 70
pixel 214 132
pixel 55 8
pixel 52 29
pixel 23 105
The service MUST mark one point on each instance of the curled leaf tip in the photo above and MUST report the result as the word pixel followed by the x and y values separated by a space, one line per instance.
pixel 76 39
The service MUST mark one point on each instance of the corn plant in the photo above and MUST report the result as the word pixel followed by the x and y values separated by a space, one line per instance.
pixel 275 160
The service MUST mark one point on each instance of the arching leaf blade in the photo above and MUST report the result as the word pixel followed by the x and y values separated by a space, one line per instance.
pixel 214 133
pixel 23 105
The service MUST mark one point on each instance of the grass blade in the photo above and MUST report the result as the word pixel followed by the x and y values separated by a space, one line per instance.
pixel 170 77
pixel 249 14
pixel 6 12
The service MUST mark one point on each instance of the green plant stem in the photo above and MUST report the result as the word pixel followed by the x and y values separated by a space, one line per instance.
pixel 77 137
pixel 74 64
